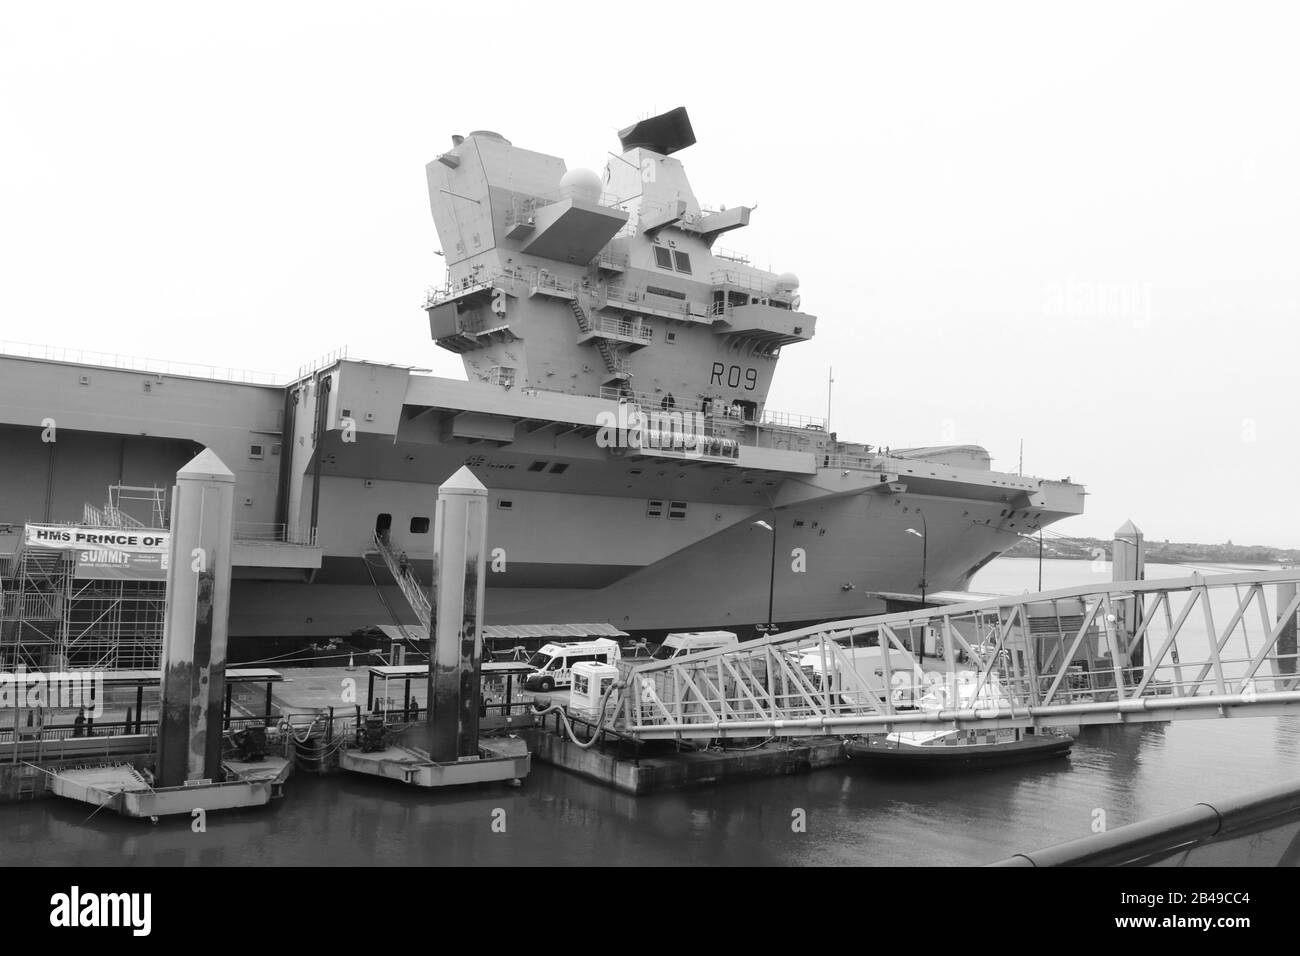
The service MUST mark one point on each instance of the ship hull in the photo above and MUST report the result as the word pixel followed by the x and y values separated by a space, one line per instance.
pixel 576 532
pixel 833 558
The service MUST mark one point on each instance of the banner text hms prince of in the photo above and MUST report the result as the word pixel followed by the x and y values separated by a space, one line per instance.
pixel 107 553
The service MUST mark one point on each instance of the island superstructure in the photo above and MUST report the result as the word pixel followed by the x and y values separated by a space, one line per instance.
pixel 615 405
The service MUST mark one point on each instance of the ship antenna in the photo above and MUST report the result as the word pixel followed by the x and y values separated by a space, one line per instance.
pixel 830 390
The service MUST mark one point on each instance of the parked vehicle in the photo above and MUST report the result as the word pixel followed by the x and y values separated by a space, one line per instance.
pixel 553 664
pixel 690 642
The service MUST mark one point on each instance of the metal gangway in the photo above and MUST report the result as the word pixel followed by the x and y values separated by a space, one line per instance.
pixel 409 583
pixel 1218 645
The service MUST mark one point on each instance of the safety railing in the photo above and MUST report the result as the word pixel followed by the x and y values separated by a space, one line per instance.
pixel 31 606
pixel 611 260
pixel 273 532
pixel 792 420
pixel 635 299
pixel 623 327
pixel 135 363
pixel 1130 651
pixel 549 282
pixel 407 580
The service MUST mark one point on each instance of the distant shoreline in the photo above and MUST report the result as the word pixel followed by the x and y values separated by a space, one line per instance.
pixel 1158 552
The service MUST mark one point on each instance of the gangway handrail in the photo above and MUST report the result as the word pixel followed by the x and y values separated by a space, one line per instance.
pixel 407 582
pixel 994 660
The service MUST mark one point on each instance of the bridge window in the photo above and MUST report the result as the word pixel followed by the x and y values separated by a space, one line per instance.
pixel 663 258
pixel 559 468
pixel 537 466
pixel 419 526
pixel 682 260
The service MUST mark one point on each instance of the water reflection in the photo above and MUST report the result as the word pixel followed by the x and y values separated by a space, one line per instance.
pixel 854 816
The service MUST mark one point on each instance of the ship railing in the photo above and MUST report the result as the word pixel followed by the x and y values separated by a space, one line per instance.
pixel 524 208
pixel 731 255
pixel 855 462
pixel 409 582
pixel 326 360
pixel 612 260
pixel 717 410
pixel 134 363
pixel 623 327
pixel 741 279
pixel 274 532
pixel 436 295
pixel 548 280
pixel 649 400
pixel 791 420
pixel 618 293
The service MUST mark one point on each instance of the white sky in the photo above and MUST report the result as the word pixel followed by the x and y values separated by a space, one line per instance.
pixel 1074 224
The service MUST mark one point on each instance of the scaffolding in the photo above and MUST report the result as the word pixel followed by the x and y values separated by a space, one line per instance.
pixel 53 618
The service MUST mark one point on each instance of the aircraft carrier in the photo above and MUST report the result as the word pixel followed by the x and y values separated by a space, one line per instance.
pixel 615 405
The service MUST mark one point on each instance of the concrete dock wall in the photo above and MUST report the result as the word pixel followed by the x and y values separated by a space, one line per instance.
pixel 679 771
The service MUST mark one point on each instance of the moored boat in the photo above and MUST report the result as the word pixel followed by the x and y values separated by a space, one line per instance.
pixel 953 749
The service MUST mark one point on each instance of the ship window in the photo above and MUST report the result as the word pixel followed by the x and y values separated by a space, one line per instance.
pixel 654 508
pixel 255 451
pixel 663 258
pixel 682 261
pixel 677 510
pixel 505 504
pixel 419 526
pixel 670 337
pixel 537 466
pixel 559 468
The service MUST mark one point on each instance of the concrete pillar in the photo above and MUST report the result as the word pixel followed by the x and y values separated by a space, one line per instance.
pixel 456 620
pixel 195 624
pixel 1286 640
pixel 1128 563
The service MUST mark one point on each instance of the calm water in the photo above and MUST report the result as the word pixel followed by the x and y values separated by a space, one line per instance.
pixel 853 817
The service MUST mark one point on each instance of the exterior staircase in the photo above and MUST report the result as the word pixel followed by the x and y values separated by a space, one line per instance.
pixel 615 370
pixel 408 582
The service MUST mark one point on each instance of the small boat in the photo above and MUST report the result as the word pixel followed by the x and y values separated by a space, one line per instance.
pixel 944 749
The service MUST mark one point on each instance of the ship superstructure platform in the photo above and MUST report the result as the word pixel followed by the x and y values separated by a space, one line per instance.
pixel 615 404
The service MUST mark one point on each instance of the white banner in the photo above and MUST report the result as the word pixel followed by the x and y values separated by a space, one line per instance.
pixel 66 538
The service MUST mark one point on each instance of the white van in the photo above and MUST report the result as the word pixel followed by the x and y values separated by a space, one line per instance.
pixel 552 664
pixel 691 642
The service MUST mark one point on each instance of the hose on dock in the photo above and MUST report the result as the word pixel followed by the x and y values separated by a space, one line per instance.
pixel 568 727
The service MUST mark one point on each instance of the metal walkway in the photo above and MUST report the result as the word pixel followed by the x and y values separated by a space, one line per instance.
pixel 1206 646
